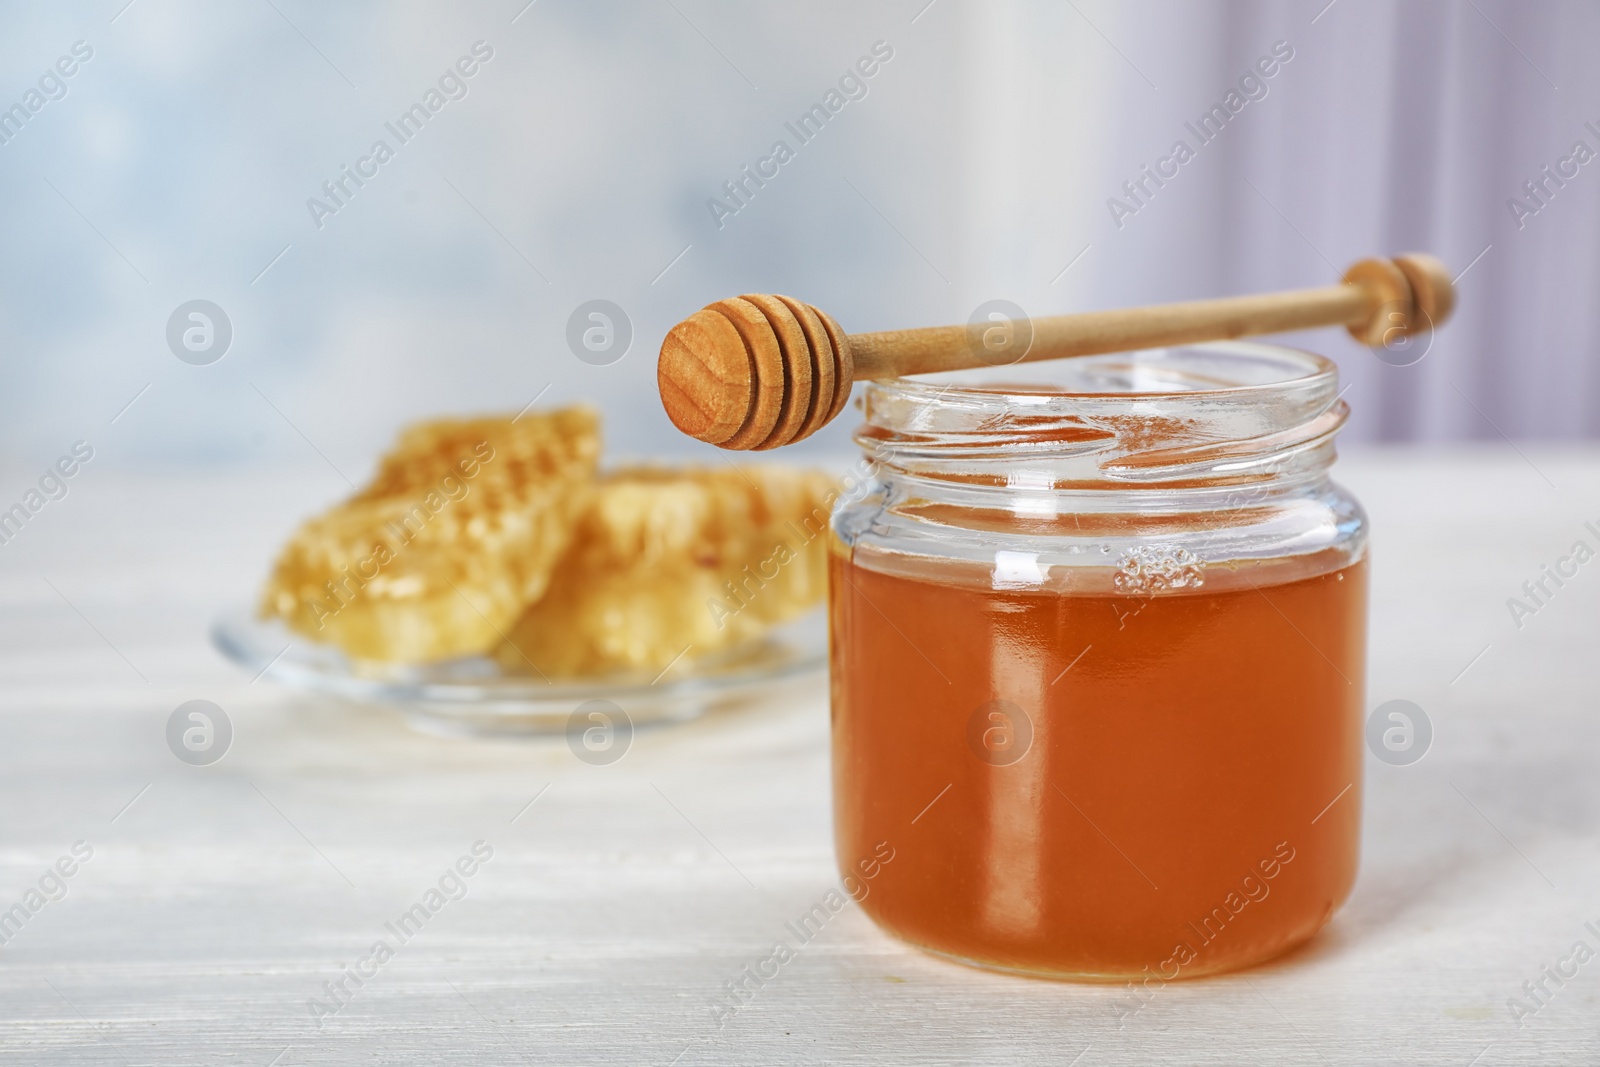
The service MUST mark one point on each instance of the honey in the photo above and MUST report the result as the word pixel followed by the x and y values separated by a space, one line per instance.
pixel 1094 785
pixel 1098 637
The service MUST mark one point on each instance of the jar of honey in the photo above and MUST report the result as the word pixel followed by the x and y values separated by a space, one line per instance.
pixel 1098 634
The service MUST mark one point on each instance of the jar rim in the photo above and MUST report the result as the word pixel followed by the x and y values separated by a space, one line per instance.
pixel 1314 369
pixel 1235 409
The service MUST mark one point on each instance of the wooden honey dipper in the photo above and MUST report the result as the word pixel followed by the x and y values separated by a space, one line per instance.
pixel 758 371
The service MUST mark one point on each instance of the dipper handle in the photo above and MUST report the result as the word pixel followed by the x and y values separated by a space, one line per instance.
pixel 757 372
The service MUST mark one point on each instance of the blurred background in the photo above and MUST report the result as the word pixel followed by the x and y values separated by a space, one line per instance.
pixel 585 158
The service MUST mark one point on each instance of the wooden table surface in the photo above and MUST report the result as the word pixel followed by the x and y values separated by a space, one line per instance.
pixel 219 899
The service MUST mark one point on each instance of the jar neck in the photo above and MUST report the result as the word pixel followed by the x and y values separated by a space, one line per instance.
pixel 1032 495
pixel 1207 427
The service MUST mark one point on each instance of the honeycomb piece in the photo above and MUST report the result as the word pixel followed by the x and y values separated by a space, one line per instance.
pixel 458 532
pixel 668 562
pixel 529 450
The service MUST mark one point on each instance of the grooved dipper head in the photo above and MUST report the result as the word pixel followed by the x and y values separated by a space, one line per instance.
pixel 754 372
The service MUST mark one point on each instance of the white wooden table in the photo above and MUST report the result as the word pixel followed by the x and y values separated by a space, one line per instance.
pixel 219 899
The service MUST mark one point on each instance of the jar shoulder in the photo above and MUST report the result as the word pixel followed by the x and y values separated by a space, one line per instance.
pixel 1314 528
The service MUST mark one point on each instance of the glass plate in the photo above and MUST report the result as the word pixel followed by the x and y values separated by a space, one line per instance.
pixel 475 695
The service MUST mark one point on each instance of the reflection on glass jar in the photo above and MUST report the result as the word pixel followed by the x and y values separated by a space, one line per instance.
pixel 1098 641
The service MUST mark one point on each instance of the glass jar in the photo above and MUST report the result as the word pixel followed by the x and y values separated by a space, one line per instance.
pixel 1098 634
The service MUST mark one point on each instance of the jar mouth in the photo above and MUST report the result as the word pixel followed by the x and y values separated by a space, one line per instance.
pixel 1204 414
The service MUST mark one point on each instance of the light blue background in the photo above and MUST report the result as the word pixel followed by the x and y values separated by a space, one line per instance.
pixel 978 166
